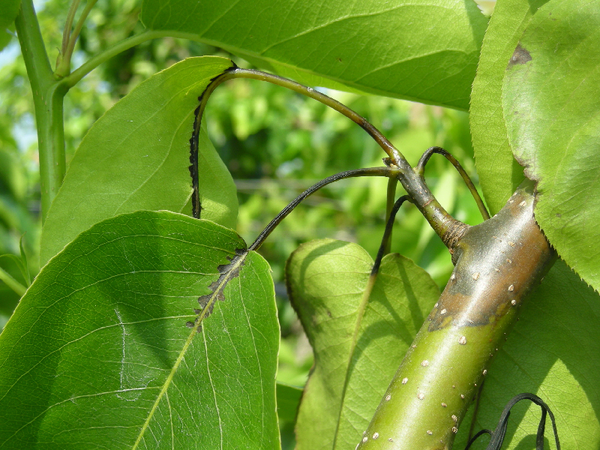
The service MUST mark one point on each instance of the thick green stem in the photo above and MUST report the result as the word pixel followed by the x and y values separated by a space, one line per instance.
pixel 48 94
pixel 49 90
pixel 499 262
pixel 51 144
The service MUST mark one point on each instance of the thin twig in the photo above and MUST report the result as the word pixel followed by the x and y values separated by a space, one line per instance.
pixel 391 195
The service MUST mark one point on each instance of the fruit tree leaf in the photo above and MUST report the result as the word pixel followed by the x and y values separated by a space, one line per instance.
pixel 136 157
pixel 99 352
pixel 8 12
pixel 499 173
pixel 552 111
pixel 552 352
pixel 288 398
pixel 424 51
pixel 326 280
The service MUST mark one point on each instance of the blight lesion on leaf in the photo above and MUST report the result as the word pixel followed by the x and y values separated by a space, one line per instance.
pixel 207 302
pixel 114 304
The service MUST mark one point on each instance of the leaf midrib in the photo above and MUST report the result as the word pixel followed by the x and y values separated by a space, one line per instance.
pixel 233 269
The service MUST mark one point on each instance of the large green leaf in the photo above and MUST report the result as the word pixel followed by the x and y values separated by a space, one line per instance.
pixel 499 173
pixel 552 352
pixel 326 280
pixel 100 353
pixel 552 111
pixel 424 51
pixel 137 155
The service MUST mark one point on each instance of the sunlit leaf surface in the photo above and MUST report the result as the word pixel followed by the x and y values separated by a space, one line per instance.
pixel 424 51
pixel 100 353
pixel 136 157
pixel 552 111
pixel 499 173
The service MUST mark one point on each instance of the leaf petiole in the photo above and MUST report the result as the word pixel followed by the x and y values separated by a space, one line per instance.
pixel 368 172
pixel 63 66
pixel 447 228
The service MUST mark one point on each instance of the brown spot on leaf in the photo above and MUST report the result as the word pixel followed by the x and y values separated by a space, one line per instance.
pixel 227 273
pixel 520 56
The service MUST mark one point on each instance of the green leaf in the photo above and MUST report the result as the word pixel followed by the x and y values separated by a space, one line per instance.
pixel 288 399
pixel 326 281
pixel 98 350
pixel 8 12
pixel 499 173
pixel 136 157
pixel 552 111
pixel 552 352
pixel 424 51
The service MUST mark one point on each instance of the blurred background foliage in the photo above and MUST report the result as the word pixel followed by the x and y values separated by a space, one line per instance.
pixel 275 142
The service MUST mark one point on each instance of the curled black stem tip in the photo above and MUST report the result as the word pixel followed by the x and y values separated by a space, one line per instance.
pixel 420 169
pixel 368 172
pixel 497 436
pixel 474 438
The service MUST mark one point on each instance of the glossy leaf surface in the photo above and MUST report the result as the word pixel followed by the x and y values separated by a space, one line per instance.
pixel 327 279
pixel 100 350
pixel 499 173
pixel 136 157
pixel 550 352
pixel 424 51
pixel 552 111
